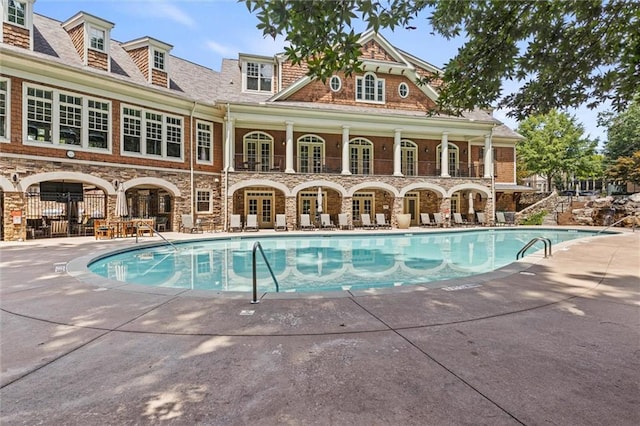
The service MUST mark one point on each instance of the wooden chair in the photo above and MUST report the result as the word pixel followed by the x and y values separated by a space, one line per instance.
pixel 102 229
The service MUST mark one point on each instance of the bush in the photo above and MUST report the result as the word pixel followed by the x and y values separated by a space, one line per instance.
pixel 534 219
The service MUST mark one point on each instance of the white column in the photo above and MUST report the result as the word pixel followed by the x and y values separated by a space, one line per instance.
pixel 488 157
pixel 345 151
pixel 229 148
pixel 397 152
pixel 289 148
pixel 444 155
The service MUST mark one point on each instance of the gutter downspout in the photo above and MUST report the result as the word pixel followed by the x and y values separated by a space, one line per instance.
pixel 191 164
pixel 226 169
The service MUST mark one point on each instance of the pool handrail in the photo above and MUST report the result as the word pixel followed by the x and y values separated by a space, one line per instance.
pixel 617 222
pixel 138 225
pixel 257 245
pixel 531 243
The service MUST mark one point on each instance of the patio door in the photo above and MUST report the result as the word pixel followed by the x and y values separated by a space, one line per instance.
pixel 412 206
pixel 260 204
pixel 362 202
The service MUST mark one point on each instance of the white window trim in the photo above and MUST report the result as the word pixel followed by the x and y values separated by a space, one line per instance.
pixel 376 82
pixel 210 208
pixel 164 59
pixel 211 127
pixel 143 135
pixel 105 40
pixel 55 121
pixel 7 137
pixel 335 77
pixel 28 14
pixel 245 63
pixel 400 90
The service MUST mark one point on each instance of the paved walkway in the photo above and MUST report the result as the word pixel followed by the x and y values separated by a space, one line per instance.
pixel 557 344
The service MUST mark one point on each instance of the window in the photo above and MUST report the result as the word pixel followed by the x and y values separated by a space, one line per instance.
pixel 62 119
pixel 162 133
pixel 203 201
pixel 403 90
pixel 258 76
pixel 131 129
pixel 335 83
pixel 204 138
pixel 16 12
pixel 360 152
pixel 39 114
pixel 408 157
pixel 369 88
pixel 257 151
pixel 97 37
pixel 158 60
pixel 70 119
pixel 362 203
pixel 453 158
pixel 310 154
pixel 4 110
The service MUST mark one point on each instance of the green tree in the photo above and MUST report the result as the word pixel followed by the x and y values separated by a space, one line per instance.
pixel 555 147
pixel 623 132
pixel 562 53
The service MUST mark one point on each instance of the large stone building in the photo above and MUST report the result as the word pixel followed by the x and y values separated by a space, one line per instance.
pixel 81 114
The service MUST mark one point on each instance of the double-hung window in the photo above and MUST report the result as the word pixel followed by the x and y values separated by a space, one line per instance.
pixel 205 141
pixel 70 119
pixel 154 133
pixel 258 76
pixel 97 37
pixel 39 114
pixel 4 110
pixel 147 132
pixel 370 88
pixel 158 60
pixel 203 201
pixel 16 12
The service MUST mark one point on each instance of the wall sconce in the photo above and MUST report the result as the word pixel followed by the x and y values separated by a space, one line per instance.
pixel 464 151
pixel 384 147
pixel 426 149
pixel 284 143
pixel 15 177
pixel 338 145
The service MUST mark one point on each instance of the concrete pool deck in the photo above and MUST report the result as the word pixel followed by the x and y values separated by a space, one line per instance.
pixel 558 343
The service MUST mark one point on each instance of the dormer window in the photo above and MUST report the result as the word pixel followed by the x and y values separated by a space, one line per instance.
pixel 369 88
pixel 158 60
pixel 259 76
pixel 16 12
pixel 97 37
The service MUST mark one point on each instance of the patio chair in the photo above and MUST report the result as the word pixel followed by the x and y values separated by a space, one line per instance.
pixel 458 220
pixel 500 219
pixel 381 221
pixel 188 225
pixel 281 223
pixel 482 220
pixel 252 223
pixel 366 221
pixel 305 223
pixel 343 221
pixel 439 219
pixel 234 223
pixel 102 229
pixel 425 220
pixel 325 222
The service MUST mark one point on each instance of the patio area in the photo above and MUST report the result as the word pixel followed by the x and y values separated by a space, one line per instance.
pixel 556 343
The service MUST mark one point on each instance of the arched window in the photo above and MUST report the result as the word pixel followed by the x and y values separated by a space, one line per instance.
pixel 408 157
pixel 258 147
pixel 369 88
pixel 361 156
pixel 310 154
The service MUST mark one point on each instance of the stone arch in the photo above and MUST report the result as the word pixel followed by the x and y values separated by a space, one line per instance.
pixel 258 182
pixel 467 186
pixel 6 185
pixel 161 183
pixel 71 176
pixel 323 183
pixel 424 185
pixel 378 185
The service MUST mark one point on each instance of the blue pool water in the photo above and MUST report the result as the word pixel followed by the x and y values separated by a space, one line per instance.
pixel 325 262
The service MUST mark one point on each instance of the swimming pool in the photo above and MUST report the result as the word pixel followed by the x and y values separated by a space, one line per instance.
pixel 327 262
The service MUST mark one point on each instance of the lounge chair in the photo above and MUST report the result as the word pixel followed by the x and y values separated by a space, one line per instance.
pixel 252 223
pixel 366 221
pixel 501 220
pixel 439 219
pixel 458 220
pixel 234 223
pixel 325 221
pixel 188 225
pixel 281 223
pixel 482 220
pixel 305 223
pixel 425 220
pixel 381 221
pixel 343 221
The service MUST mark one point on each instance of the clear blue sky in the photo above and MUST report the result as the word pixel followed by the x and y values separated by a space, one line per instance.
pixel 205 31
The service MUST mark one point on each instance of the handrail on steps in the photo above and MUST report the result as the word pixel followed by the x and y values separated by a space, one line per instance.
pixel 617 222
pixel 138 225
pixel 531 243
pixel 256 246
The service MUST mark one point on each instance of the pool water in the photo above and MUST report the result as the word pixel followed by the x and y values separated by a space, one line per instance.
pixel 332 262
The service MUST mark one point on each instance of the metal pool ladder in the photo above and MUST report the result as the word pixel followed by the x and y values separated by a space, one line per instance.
pixel 531 243
pixel 256 246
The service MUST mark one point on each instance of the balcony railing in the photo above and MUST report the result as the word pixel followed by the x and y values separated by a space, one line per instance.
pixel 333 165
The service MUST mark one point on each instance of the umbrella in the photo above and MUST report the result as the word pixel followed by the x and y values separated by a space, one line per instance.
pixel 319 209
pixel 121 202
pixel 471 210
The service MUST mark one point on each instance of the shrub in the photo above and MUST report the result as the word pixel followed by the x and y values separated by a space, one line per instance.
pixel 534 219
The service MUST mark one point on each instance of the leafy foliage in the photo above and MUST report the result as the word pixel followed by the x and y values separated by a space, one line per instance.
pixel 623 131
pixel 626 169
pixel 554 147
pixel 561 53
pixel 534 219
